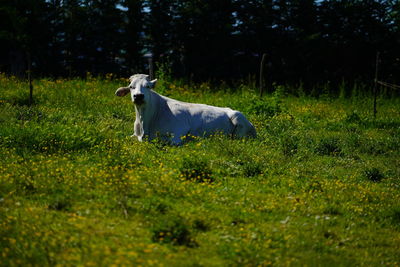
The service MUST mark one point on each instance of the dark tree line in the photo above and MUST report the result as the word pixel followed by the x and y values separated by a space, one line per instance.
pixel 305 41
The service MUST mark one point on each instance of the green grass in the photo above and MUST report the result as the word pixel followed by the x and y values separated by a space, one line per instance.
pixel 318 186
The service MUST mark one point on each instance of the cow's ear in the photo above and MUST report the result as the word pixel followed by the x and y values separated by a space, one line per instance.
pixel 122 91
pixel 152 83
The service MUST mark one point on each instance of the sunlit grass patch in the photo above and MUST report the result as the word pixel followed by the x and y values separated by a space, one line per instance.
pixel 175 231
pixel 319 185
pixel 196 169
pixel 330 146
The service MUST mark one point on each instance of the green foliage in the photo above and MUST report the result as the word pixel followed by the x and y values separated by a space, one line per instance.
pixel 374 174
pixel 329 146
pixel 395 215
pixel 164 77
pixel 290 144
pixel 173 231
pixel 60 204
pixel 251 169
pixel 262 107
pixel 318 183
pixel 196 169
pixel 353 118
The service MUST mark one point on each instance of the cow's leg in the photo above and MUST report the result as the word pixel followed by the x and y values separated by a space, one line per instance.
pixel 138 131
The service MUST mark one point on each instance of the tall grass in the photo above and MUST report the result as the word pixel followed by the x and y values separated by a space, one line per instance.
pixel 318 186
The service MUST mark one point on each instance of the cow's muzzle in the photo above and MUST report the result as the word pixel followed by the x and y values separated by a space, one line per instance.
pixel 138 99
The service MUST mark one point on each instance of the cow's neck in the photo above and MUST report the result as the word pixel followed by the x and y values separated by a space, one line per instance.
pixel 144 117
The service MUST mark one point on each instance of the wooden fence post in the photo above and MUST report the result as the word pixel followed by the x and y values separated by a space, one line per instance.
pixel 149 57
pixel 30 79
pixel 151 68
pixel 376 82
pixel 262 78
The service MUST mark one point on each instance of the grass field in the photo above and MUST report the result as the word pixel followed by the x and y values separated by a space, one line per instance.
pixel 319 186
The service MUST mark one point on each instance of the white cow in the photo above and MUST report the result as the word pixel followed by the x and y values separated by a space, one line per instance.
pixel 170 119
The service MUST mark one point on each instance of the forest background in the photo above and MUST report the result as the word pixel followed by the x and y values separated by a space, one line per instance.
pixel 306 42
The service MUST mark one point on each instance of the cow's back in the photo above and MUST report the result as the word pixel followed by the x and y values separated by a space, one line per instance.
pixel 200 119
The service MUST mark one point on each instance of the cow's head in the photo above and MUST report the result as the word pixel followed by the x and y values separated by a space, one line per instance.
pixel 139 88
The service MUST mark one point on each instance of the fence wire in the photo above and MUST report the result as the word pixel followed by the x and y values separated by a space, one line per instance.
pixel 390 85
